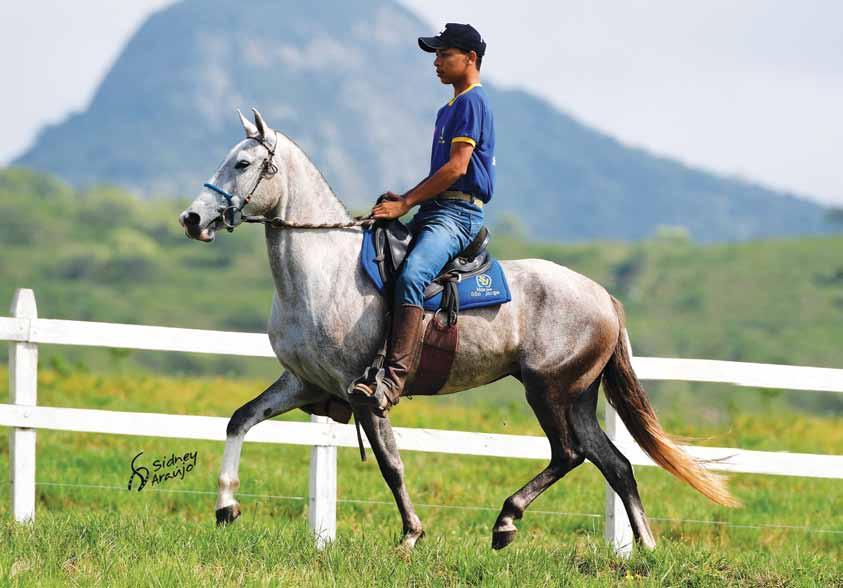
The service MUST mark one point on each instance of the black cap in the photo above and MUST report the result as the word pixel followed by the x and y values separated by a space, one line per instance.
pixel 460 36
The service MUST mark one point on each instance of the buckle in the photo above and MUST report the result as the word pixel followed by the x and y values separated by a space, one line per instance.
pixel 231 217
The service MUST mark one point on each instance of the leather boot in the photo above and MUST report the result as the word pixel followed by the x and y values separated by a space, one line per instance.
pixel 401 358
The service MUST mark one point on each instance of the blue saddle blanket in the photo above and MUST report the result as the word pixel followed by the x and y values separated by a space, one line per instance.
pixel 487 289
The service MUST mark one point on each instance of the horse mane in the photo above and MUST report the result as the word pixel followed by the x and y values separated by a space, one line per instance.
pixel 318 171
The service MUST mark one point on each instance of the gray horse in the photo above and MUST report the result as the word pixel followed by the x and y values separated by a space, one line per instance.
pixel 560 336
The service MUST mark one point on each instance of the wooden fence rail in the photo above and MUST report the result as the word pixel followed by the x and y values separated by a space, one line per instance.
pixel 25 331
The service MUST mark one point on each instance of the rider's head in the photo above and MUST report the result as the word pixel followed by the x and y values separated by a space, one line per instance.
pixel 459 51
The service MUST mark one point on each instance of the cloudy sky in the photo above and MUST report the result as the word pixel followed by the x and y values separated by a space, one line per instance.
pixel 751 88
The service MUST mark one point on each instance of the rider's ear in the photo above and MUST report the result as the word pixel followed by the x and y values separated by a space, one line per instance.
pixel 262 126
pixel 251 130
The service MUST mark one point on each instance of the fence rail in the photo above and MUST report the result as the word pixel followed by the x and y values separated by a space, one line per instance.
pixel 25 331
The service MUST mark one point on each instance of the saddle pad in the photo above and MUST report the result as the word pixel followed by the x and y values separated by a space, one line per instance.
pixel 487 289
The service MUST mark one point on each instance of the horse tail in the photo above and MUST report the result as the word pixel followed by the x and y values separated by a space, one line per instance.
pixel 625 393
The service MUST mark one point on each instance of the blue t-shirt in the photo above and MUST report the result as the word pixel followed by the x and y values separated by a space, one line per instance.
pixel 467 118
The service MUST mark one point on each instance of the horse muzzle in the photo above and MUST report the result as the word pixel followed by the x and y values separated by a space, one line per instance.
pixel 192 223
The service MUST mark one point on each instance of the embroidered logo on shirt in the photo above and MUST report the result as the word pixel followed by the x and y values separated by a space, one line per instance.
pixel 442 135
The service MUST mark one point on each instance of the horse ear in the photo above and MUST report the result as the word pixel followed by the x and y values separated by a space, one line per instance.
pixel 262 126
pixel 251 130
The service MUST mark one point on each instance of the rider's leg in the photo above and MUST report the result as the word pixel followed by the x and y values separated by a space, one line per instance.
pixel 434 245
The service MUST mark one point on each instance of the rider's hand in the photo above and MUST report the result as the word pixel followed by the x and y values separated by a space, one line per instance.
pixel 392 206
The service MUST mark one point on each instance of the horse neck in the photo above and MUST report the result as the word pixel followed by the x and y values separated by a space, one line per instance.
pixel 310 262
pixel 309 197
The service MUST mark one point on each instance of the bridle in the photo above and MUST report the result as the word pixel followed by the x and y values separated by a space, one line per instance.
pixel 232 215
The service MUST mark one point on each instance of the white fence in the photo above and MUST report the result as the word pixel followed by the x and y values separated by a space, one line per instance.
pixel 26 331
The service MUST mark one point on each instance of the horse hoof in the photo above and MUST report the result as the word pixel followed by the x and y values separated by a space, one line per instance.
pixel 410 538
pixel 648 543
pixel 228 514
pixel 501 539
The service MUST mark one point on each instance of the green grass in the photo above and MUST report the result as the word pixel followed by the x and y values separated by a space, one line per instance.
pixel 101 549
pixel 165 535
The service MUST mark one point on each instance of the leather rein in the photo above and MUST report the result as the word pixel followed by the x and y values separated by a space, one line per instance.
pixel 232 215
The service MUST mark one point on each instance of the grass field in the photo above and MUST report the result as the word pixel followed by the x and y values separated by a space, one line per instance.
pixel 90 530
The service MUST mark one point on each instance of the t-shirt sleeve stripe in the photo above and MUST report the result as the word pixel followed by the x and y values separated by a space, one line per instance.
pixel 464 140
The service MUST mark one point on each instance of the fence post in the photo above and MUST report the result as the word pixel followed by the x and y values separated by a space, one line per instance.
pixel 322 505
pixel 618 531
pixel 23 391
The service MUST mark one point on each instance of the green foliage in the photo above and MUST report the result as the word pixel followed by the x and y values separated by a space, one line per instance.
pixel 103 255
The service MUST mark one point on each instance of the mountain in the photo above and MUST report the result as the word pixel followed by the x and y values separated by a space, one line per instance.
pixel 348 83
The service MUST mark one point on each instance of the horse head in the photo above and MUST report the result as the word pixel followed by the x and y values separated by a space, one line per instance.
pixel 246 182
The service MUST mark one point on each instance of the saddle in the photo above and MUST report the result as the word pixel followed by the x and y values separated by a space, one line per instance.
pixel 473 279
pixel 392 240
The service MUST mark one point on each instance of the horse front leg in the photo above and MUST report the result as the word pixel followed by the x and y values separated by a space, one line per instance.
pixel 381 438
pixel 287 393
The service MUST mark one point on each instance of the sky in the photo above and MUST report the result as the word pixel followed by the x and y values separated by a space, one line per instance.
pixel 752 89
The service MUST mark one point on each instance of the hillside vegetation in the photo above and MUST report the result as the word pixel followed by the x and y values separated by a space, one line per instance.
pixel 103 255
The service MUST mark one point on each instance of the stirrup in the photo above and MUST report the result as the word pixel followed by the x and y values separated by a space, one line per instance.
pixel 369 391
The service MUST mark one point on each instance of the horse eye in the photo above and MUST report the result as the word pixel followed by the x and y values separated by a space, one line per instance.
pixel 242 164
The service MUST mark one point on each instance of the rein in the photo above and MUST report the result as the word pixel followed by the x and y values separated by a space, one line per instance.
pixel 280 223
pixel 232 215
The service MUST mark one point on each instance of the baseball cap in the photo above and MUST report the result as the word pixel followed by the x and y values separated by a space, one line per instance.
pixel 460 36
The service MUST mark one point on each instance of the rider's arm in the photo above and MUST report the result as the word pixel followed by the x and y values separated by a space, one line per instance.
pixel 444 177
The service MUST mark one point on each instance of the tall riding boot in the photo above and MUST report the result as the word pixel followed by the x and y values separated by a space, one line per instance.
pixel 401 358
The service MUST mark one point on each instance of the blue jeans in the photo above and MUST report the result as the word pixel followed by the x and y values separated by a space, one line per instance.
pixel 441 229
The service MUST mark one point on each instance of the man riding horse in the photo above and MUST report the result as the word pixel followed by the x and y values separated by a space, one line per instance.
pixel 451 199
pixel 560 334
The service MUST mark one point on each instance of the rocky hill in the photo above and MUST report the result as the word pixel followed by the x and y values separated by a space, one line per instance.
pixel 348 83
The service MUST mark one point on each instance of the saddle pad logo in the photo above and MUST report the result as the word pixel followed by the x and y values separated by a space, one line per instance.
pixel 484 281
pixel 485 289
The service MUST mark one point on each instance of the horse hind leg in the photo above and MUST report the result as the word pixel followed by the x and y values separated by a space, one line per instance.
pixel 563 458
pixel 598 449
pixel 285 394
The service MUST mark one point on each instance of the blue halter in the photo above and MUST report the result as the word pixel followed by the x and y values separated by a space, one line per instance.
pixel 233 215
pixel 228 196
